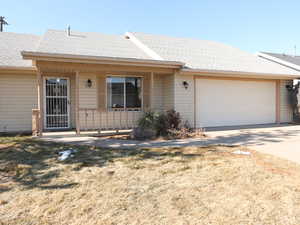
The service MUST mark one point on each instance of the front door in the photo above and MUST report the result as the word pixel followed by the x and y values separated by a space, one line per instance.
pixel 56 104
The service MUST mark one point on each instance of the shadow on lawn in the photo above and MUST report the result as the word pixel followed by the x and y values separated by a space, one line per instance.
pixel 34 164
pixel 29 163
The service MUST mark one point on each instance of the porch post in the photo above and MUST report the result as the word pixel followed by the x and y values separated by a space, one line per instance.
pixel 151 90
pixel 77 102
pixel 40 103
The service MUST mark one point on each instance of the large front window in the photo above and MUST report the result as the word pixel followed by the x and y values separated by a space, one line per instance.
pixel 124 92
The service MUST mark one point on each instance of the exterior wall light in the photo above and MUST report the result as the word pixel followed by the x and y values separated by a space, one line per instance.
pixel 89 83
pixel 185 84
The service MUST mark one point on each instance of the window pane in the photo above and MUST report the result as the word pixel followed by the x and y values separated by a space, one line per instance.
pixel 133 92
pixel 115 92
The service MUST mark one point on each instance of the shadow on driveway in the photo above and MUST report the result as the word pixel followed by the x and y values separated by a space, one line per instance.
pixel 247 137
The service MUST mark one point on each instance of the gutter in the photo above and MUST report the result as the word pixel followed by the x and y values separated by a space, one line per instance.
pixel 24 69
pixel 100 59
pixel 57 57
pixel 18 68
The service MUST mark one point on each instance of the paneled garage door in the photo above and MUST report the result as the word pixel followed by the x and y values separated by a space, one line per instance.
pixel 234 102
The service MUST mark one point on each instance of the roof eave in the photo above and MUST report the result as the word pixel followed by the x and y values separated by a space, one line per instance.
pixel 99 60
pixel 18 69
pixel 239 74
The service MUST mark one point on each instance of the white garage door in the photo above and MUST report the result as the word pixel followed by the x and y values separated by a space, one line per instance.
pixel 234 102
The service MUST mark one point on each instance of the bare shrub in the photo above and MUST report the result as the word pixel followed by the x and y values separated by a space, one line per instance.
pixel 168 124
pixel 173 119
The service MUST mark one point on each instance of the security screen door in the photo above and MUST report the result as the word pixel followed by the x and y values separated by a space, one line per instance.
pixel 56 103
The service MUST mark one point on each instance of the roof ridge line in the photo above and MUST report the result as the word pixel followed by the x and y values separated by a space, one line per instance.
pixel 143 47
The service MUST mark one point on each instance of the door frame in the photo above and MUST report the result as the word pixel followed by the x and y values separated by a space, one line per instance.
pixel 45 102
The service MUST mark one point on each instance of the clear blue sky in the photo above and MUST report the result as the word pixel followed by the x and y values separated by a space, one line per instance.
pixel 252 25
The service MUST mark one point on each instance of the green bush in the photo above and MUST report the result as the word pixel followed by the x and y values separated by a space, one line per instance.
pixel 149 120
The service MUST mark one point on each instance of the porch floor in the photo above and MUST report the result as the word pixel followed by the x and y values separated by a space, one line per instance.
pixel 61 134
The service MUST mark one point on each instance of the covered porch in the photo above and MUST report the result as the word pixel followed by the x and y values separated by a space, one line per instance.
pixel 98 97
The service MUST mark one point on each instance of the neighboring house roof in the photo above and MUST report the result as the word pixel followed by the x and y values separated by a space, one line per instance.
pixel 11 45
pixel 283 59
pixel 206 55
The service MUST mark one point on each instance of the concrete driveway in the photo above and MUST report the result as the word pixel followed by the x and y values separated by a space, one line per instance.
pixel 282 141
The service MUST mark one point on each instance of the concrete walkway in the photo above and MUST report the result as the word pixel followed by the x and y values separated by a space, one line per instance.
pixel 282 141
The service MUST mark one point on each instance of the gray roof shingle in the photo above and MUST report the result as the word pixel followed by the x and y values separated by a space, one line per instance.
pixel 197 54
pixel 89 44
pixel 288 58
pixel 209 55
pixel 11 45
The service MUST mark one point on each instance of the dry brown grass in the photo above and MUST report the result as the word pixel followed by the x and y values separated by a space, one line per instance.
pixel 151 186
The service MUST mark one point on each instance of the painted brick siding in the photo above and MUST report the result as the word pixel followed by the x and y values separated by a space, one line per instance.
pixel 286 114
pixel 184 98
pixel 18 96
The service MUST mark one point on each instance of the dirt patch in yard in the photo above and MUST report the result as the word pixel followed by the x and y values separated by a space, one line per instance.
pixel 191 185
pixel 117 137
pixel 5 146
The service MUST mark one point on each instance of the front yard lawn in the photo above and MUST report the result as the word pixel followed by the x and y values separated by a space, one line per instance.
pixel 191 185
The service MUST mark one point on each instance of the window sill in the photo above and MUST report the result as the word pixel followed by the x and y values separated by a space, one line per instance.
pixel 124 109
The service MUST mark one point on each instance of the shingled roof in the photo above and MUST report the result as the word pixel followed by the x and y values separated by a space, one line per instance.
pixel 195 54
pixel 11 45
pixel 208 55
pixel 291 61
pixel 89 44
